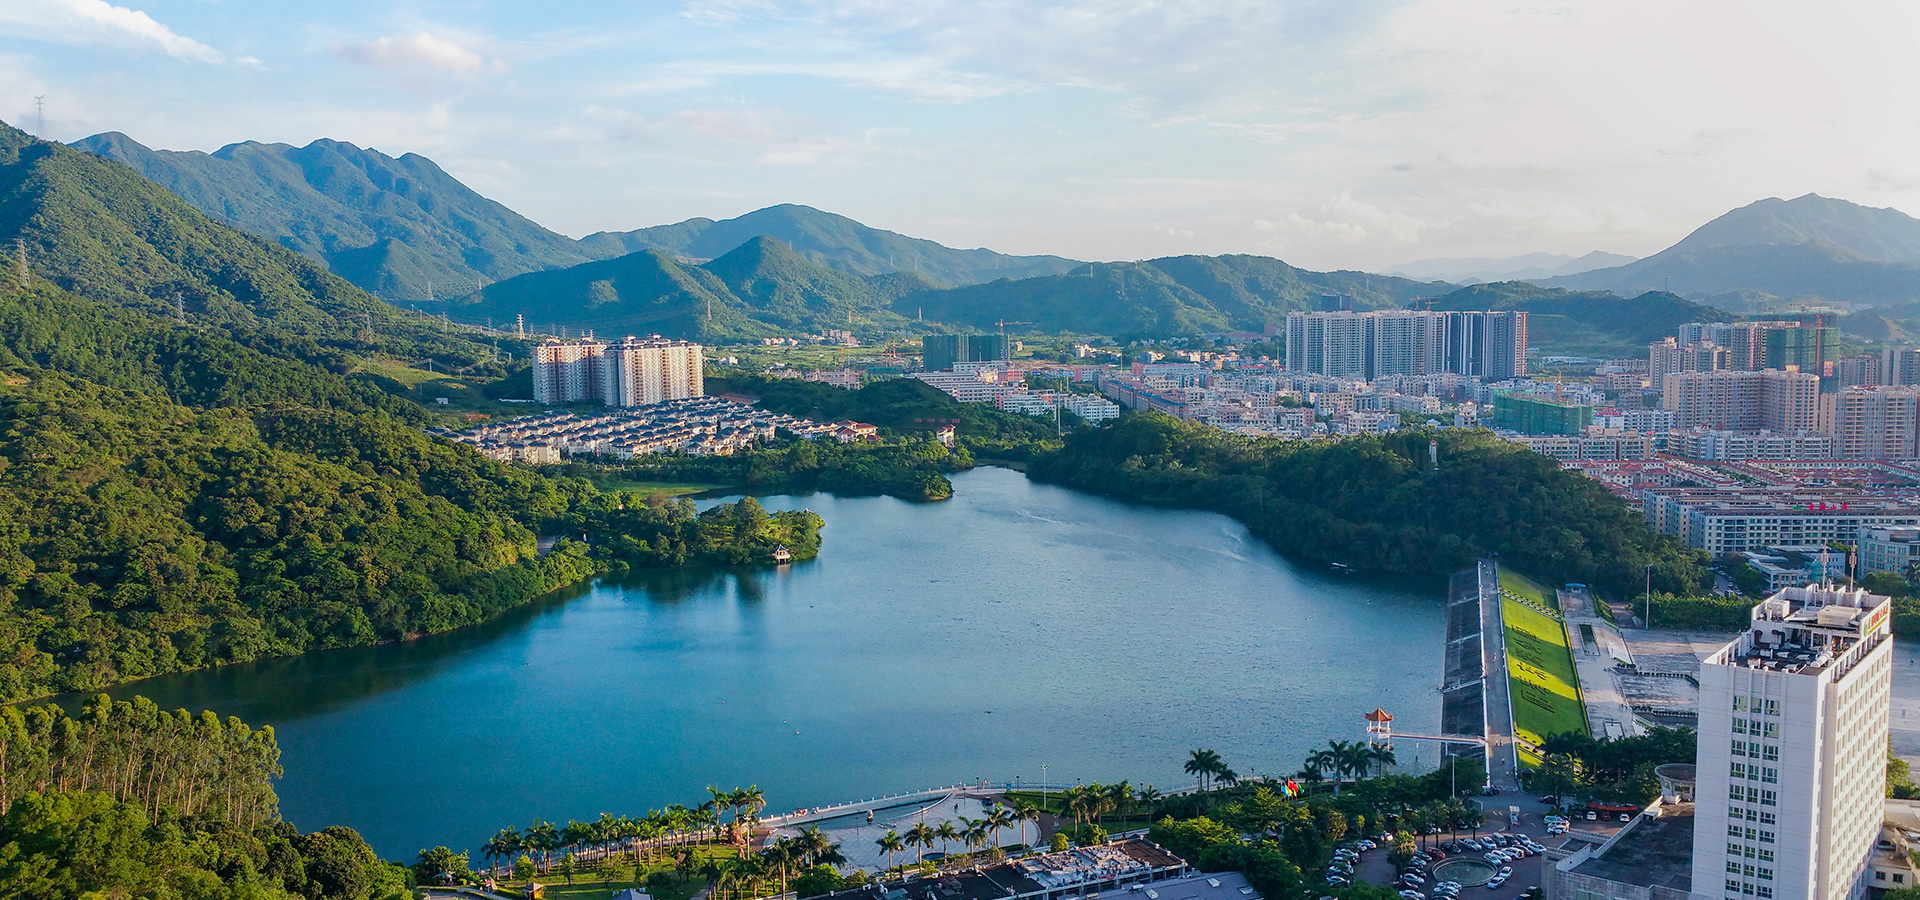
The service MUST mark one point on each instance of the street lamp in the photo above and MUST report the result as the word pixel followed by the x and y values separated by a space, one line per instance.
pixel 1043 788
pixel 1649 622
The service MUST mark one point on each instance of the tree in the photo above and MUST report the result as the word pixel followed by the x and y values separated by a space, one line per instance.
pixel 1382 756
pixel 505 844
pixel 1025 811
pixel 890 842
pixel 1059 842
pixel 1202 764
pixel 442 866
pixel 1558 774
pixel 945 832
pixel 921 835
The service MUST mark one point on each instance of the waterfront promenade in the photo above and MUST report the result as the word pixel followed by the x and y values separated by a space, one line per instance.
pixel 1597 649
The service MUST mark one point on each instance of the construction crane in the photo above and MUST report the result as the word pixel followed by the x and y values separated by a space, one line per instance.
pixel 1003 323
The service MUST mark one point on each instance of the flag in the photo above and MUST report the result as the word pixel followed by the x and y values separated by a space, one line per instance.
pixel 1293 788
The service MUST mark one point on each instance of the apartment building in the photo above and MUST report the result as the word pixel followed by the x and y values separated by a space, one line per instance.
pixel 567 371
pixel 1873 422
pixel 1669 356
pixel 1743 401
pixel 1791 773
pixel 639 371
pixel 1489 345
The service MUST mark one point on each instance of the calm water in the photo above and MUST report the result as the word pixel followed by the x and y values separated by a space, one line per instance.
pixel 1014 626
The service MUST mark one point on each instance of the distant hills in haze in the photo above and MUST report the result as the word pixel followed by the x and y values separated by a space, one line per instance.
pixel 1527 267
pixel 1776 250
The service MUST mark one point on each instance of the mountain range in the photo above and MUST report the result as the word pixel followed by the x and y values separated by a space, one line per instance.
pixel 1526 267
pixel 831 240
pixel 1774 250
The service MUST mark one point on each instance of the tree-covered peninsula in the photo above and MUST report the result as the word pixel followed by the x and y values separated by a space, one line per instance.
pixel 1379 503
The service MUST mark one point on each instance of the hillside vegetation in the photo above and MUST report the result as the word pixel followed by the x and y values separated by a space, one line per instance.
pixel 390 226
pixel 1374 504
pixel 830 240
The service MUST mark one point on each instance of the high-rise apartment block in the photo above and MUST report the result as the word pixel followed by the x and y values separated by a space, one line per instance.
pixel 1669 356
pixel 1791 767
pixel 1873 422
pixel 633 372
pixel 1490 345
pixel 940 352
pixel 1753 346
pixel 639 371
pixel 1900 365
pixel 567 371
pixel 1743 401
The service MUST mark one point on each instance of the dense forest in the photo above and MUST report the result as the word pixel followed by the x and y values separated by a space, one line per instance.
pixel 902 405
pixel 1374 503
pixel 191 475
pixel 911 469
pixel 129 800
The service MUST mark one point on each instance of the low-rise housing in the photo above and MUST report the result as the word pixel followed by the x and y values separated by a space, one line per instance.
pixel 700 426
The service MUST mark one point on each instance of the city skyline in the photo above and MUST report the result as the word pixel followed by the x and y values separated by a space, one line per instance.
pixel 1326 135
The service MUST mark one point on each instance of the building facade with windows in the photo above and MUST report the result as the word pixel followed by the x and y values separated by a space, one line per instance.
pixel 639 371
pixel 567 371
pixel 1490 345
pixel 1792 749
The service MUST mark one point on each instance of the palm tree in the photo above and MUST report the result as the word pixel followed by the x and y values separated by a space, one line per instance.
pixel 505 844
pixel 1120 799
pixel 975 834
pixel 945 832
pixel 1226 776
pixel 922 836
pixel 1202 763
pixel 1025 811
pixel 1151 797
pixel 891 843
pixel 1320 762
pixel 543 838
pixel 998 818
pixel 1381 756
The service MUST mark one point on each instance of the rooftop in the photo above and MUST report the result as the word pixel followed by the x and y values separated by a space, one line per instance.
pixel 1652 851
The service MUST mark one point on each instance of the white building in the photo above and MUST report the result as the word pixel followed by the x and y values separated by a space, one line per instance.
pixel 1893 550
pixel 1091 408
pixel 567 371
pixel 634 372
pixel 639 371
pixel 1793 743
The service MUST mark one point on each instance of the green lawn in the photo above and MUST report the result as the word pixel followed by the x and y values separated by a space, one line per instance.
pixel 1521 586
pixel 1541 679
pixel 670 488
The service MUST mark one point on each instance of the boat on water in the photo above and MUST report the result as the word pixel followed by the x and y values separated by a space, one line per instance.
pixel 1343 568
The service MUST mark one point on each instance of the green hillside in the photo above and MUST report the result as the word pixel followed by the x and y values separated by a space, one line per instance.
pixel 179 492
pixel 834 241
pixel 1175 296
pixel 760 288
pixel 388 225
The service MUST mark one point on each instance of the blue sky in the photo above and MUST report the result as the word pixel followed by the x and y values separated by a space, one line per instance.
pixel 1330 134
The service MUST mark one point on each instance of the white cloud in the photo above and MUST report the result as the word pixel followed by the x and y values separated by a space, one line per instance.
pixel 418 50
pixel 84 22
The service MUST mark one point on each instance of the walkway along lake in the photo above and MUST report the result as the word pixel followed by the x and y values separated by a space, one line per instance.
pixel 1015 625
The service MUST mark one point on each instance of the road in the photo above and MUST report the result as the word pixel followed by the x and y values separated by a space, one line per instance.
pixel 1503 761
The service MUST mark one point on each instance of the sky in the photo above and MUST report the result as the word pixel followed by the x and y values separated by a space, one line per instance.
pixel 1329 133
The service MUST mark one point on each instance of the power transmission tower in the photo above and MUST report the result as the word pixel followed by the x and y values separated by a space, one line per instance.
pixel 520 325
pixel 179 309
pixel 20 257
pixel 40 117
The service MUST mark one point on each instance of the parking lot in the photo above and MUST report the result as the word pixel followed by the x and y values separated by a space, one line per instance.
pixel 1527 874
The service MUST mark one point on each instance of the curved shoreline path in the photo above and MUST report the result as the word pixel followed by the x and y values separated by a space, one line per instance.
pixel 1014 626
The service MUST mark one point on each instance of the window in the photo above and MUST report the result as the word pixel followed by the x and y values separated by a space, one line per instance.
pixel 1733 831
pixel 1766 855
pixel 1733 885
pixel 1771 751
pixel 1766 798
pixel 1739 771
pixel 1766 818
pixel 1769 775
pixel 1735 792
pixel 1739 704
pixel 1879 876
pixel 1739 725
pixel 1733 868
pixel 1739 747
pixel 1766 837
pixel 1763 891
pixel 1733 850
pixel 1773 709
pixel 1747 870
pixel 1765 874
pixel 1773 730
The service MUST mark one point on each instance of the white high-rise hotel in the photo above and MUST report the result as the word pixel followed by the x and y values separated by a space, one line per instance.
pixel 1793 744
pixel 633 372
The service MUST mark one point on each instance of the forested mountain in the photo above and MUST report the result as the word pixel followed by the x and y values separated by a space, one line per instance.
pixel 761 287
pixel 388 225
pixel 1169 297
pixel 194 482
pixel 1809 246
pixel 834 241
pixel 98 229
pixel 1588 323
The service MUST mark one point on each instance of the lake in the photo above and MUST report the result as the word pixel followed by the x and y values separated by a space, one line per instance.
pixel 1014 626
